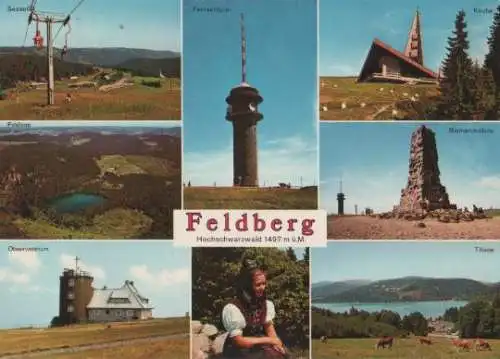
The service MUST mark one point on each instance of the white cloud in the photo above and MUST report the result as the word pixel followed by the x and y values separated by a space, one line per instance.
pixel 12 276
pixel 491 182
pixel 27 259
pixel 23 265
pixel 68 261
pixel 282 160
pixel 162 278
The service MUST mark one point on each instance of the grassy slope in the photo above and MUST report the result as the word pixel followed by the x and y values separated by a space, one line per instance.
pixel 171 349
pixel 137 102
pixel 403 348
pixel 353 94
pixel 23 340
pixel 243 198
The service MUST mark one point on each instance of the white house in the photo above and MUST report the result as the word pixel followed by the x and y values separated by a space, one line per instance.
pixel 118 304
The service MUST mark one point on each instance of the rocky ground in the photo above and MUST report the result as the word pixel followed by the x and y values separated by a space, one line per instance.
pixel 439 224
pixel 207 341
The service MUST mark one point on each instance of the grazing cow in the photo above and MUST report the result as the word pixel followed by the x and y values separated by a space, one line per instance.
pixel 425 341
pixel 324 339
pixel 385 342
pixel 481 344
pixel 462 344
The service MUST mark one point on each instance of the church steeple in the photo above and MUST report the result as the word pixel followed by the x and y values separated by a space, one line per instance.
pixel 414 49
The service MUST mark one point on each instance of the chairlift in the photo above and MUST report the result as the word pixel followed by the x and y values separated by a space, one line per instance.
pixel 38 39
pixel 65 48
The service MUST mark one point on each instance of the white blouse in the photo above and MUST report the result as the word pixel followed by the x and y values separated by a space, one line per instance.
pixel 234 322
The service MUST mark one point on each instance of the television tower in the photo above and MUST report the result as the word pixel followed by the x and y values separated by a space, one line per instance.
pixel 340 200
pixel 242 111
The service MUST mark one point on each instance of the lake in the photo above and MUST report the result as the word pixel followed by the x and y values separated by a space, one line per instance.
pixel 75 202
pixel 428 309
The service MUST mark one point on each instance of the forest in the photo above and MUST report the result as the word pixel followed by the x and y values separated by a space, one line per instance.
pixel 140 180
pixel 362 324
pixel 468 89
pixel 479 318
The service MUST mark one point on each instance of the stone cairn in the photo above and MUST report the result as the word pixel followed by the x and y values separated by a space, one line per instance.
pixel 424 196
pixel 207 341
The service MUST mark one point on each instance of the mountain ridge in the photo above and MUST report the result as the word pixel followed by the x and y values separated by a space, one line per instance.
pixel 410 288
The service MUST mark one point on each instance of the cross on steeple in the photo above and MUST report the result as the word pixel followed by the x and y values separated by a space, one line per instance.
pixel 243 51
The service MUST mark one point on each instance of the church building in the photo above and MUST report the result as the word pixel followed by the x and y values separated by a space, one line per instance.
pixel 386 64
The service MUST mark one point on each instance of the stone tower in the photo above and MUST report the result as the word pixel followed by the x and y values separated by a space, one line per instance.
pixel 243 112
pixel 424 189
pixel 75 293
pixel 414 49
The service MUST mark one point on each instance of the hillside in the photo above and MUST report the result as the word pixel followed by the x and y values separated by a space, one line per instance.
pixel 325 289
pixel 170 67
pixel 38 171
pixel 406 289
pixel 108 56
pixel 24 67
pixel 250 197
pixel 29 64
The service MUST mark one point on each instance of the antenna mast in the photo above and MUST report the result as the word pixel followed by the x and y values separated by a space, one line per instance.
pixel 243 51
pixel 77 259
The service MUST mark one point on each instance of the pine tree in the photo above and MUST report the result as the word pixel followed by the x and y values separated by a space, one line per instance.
pixel 487 101
pixel 492 59
pixel 458 84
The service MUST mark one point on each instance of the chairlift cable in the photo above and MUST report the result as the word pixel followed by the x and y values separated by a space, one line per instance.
pixel 31 8
pixel 67 19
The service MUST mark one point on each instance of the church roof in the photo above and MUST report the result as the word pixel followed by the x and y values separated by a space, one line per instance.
pixel 125 297
pixel 380 44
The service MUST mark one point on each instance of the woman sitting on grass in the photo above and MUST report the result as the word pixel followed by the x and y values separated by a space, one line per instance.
pixel 248 319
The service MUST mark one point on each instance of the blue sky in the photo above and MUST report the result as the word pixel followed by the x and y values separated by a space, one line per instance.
pixel 372 159
pixel 281 64
pixel 30 280
pixel 347 29
pixel 376 260
pixel 147 24
pixel 48 123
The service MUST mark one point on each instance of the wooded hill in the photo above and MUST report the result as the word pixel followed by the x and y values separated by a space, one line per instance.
pixel 49 166
pixel 403 289
pixel 29 64
pixel 23 67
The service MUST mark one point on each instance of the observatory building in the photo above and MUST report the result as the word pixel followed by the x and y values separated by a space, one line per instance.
pixel 243 112
pixel 386 64
pixel 80 302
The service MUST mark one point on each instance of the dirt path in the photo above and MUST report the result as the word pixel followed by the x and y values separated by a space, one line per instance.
pixel 373 116
pixel 363 227
pixel 116 85
pixel 49 352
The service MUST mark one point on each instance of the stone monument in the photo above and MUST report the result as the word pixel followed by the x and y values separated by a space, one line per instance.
pixel 424 191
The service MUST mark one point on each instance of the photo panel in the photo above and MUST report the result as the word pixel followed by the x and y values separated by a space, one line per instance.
pixel 418 299
pixel 410 180
pixel 250 104
pixel 94 300
pixel 90 60
pixel 250 303
pixel 89 179
pixel 412 60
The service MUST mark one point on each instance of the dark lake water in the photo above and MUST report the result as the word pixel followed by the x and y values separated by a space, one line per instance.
pixel 75 202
